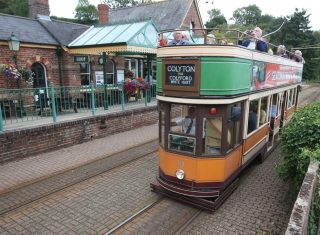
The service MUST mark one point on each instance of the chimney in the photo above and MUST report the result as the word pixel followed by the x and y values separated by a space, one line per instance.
pixel 103 10
pixel 40 7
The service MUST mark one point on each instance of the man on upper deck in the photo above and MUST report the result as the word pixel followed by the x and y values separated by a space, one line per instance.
pixel 177 39
pixel 256 42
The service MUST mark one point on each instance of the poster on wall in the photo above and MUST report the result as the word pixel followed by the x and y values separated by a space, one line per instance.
pixel 99 78
pixel 120 75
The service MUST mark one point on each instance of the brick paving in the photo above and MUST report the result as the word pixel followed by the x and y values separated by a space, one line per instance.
pixel 29 193
pixel 262 204
pixel 91 207
pixel 15 174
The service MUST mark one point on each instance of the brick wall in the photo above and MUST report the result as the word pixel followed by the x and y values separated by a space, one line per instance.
pixel 192 16
pixel 17 144
pixel 38 7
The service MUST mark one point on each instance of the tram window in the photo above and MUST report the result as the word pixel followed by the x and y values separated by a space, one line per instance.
pixel 294 96
pixel 162 127
pixel 185 123
pixel 263 111
pixel 289 101
pixel 273 109
pixel 212 135
pixel 252 115
pixel 234 117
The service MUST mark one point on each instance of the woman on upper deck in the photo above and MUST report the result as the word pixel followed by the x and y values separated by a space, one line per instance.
pixel 256 42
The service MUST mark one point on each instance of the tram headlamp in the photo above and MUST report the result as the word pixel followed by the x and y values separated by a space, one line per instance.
pixel 180 174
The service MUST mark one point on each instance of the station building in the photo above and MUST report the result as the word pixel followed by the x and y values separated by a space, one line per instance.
pixel 45 42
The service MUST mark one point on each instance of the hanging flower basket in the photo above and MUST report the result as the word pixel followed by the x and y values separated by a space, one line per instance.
pixel 13 73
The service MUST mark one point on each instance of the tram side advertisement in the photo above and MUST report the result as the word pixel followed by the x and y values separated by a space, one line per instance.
pixel 268 75
pixel 181 75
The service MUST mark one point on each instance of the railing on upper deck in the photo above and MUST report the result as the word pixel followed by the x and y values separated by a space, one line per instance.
pixel 199 36
pixel 34 104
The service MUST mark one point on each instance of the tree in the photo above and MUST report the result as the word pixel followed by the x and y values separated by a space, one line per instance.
pixel 215 18
pixel 85 12
pixel 14 7
pixel 249 15
pixel 124 3
pixel 297 34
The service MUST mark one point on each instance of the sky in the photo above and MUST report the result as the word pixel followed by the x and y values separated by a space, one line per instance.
pixel 65 8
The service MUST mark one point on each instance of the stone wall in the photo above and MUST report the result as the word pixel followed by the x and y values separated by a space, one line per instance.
pixel 298 223
pixel 17 144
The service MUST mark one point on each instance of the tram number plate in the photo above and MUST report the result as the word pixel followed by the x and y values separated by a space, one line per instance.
pixel 180 74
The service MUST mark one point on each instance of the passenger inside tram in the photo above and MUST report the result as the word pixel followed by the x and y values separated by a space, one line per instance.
pixel 252 117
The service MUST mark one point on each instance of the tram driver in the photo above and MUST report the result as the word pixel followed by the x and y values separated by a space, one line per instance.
pixel 188 123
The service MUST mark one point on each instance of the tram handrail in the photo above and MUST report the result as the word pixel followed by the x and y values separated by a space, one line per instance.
pixel 204 32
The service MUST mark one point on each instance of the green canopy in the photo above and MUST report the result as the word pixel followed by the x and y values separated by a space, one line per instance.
pixel 129 38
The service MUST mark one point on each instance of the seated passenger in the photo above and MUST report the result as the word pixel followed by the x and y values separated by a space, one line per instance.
pixel 178 40
pixel 163 41
pixel 256 42
pixel 211 39
pixel 252 118
pixel 297 56
pixel 281 51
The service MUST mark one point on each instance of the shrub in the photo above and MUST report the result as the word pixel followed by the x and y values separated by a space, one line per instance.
pixel 300 141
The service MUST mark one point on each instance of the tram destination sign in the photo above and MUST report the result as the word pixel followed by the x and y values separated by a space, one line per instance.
pixel 180 74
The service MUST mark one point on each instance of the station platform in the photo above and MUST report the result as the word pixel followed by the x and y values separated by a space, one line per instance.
pixel 25 171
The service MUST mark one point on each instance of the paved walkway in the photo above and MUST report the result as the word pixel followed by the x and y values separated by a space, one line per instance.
pixel 31 169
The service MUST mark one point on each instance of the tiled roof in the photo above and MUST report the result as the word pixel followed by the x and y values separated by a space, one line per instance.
pixel 26 29
pixel 166 14
pixel 40 31
pixel 64 32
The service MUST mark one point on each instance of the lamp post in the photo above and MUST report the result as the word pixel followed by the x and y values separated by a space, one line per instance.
pixel 14 45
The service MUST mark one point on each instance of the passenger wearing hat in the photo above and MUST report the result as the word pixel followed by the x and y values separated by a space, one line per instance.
pixel 211 39
pixel 281 51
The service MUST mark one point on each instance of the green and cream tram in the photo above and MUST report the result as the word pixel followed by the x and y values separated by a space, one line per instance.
pixel 240 97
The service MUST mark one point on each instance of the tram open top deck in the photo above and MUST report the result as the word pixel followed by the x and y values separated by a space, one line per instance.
pixel 206 71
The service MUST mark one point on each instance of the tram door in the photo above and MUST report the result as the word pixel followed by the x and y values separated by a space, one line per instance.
pixel 275 118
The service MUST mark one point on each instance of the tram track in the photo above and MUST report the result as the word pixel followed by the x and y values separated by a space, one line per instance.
pixel 34 191
pixel 151 217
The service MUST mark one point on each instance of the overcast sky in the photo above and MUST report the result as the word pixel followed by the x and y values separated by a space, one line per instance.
pixel 65 8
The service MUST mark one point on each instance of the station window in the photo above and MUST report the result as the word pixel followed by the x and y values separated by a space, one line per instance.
pixel 85 74
pixel 110 72
pixel 252 115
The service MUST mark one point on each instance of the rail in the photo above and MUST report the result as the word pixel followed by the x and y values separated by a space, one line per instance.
pixel 33 104
pixel 218 36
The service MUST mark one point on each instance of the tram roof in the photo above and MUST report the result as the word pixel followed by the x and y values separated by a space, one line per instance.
pixel 128 38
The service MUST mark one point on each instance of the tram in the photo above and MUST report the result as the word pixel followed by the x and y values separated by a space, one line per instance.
pixel 220 107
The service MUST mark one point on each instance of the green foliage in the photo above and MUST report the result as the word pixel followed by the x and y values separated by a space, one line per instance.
pixel 300 142
pixel 124 3
pixel 14 7
pixel 216 18
pixel 249 15
pixel 315 211
pixel 86 13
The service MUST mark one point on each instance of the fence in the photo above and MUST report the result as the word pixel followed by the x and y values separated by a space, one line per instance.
pixel 32 104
